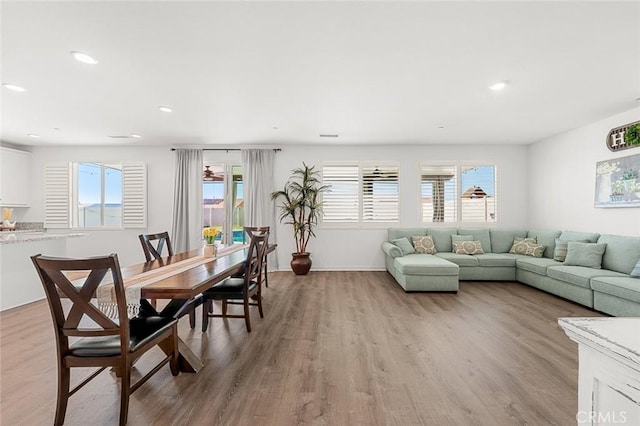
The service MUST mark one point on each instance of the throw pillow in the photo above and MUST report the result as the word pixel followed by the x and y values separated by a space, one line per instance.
pixel 636 270
pixel 467 247
pixel 520 245
pixel 456 238
pixel 585 254
pixel 534 250
pixel 560 251
pixel 424 244
pixel 404 244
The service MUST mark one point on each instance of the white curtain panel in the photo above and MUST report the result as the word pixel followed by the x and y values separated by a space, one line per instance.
pixel 257 176
pixel 186 230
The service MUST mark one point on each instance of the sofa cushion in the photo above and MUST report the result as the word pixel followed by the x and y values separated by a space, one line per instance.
pixel 405 245
pixel 442 237
pixel 496 259
pixel 622 287
pixel 424 244
pixel 622 252
pixel 478 234
pixel 590 237
pixel 424 264
pixel 579 275
pixel 502 239
pixel 536 264
pixel 467 247
pixel 547 239
pixel 459 259
pixel 560 251
pixel 585 254
pixel 394 233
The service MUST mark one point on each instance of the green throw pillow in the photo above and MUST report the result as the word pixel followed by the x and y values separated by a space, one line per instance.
pixel 585 254
pixel 403 244
pixel 560 251
pixel 636 270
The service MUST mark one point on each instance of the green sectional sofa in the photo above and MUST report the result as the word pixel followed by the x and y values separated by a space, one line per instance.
pixel 609 289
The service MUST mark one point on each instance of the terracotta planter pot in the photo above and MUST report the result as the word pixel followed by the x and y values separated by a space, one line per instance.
pixel 301 263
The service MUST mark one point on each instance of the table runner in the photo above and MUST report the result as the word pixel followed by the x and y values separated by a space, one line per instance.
pixel 106 293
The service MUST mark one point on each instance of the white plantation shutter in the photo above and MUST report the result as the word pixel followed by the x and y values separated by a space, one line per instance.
pixel 380 194
pixel 134 195
pixel 56 195
pixel 340 204
pixel 438 193
pixel 477 194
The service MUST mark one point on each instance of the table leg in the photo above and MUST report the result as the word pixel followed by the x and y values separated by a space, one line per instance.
pixel 188 362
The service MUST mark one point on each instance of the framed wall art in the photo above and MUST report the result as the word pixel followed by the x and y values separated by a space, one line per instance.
pixel 618 182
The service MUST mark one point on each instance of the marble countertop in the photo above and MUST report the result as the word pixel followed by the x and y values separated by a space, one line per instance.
pixel 29 235
pixel 619 335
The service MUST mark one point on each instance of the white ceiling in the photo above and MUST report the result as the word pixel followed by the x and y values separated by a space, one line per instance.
pixel 373 72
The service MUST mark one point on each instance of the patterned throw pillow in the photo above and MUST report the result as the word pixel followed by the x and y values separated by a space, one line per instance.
pixel 534 250
pixel 520 245
pixel 636 270
pixel 467 247
pixel 424 244
pixel 456 237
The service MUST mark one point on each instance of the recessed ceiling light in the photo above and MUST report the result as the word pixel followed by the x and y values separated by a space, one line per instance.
pixel 84 58
pixel 328 135
pixel 275 127
pixel 498 86
pixel 32 135
pixel 57 128
pixel 13 87
pixel 165 109
pixel 135 136
pixel 440 127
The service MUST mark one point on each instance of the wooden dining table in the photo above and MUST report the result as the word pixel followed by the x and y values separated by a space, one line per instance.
pixel 183 288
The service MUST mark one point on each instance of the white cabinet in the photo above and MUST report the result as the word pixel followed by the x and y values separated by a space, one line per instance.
pixel 14 177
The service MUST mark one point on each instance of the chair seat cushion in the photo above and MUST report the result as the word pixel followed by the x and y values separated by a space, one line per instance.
pixel 579 275
pixel 141 330
pixel 231 288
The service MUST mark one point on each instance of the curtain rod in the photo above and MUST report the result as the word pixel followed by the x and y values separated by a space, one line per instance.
pixel 229 149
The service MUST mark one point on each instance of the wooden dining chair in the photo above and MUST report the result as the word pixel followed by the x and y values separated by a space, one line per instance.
pixel 151 251
pixel 250 230
pixel 153 246
pixel 245 290
pixel 105 342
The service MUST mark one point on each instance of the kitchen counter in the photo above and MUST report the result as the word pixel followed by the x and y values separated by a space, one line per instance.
pixel 25 236
pixel 19 281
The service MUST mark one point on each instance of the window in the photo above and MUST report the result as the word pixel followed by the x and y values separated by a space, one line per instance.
pixel 473 200
pixel 95 195
pixel 361 194
pixel 223 201
pixel 478 194
pixel 438 193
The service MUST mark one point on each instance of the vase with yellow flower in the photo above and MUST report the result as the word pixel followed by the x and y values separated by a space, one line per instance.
pixel 210 234
pixel 6 219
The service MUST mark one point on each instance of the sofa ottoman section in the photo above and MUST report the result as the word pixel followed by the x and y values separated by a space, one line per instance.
pixel 579 275
pixel 425 272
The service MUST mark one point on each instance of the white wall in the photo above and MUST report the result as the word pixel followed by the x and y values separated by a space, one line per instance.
pixel 562 172
pixel 160 175
pixel 359 249
pixel 356 249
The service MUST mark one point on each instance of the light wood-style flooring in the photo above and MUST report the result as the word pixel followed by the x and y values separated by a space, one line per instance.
pixel 334 348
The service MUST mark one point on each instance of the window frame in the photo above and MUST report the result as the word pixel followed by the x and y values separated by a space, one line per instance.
pixel 360 223
pixel 459 164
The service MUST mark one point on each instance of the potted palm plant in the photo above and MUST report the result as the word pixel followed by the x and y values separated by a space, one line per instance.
pixel 301 207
